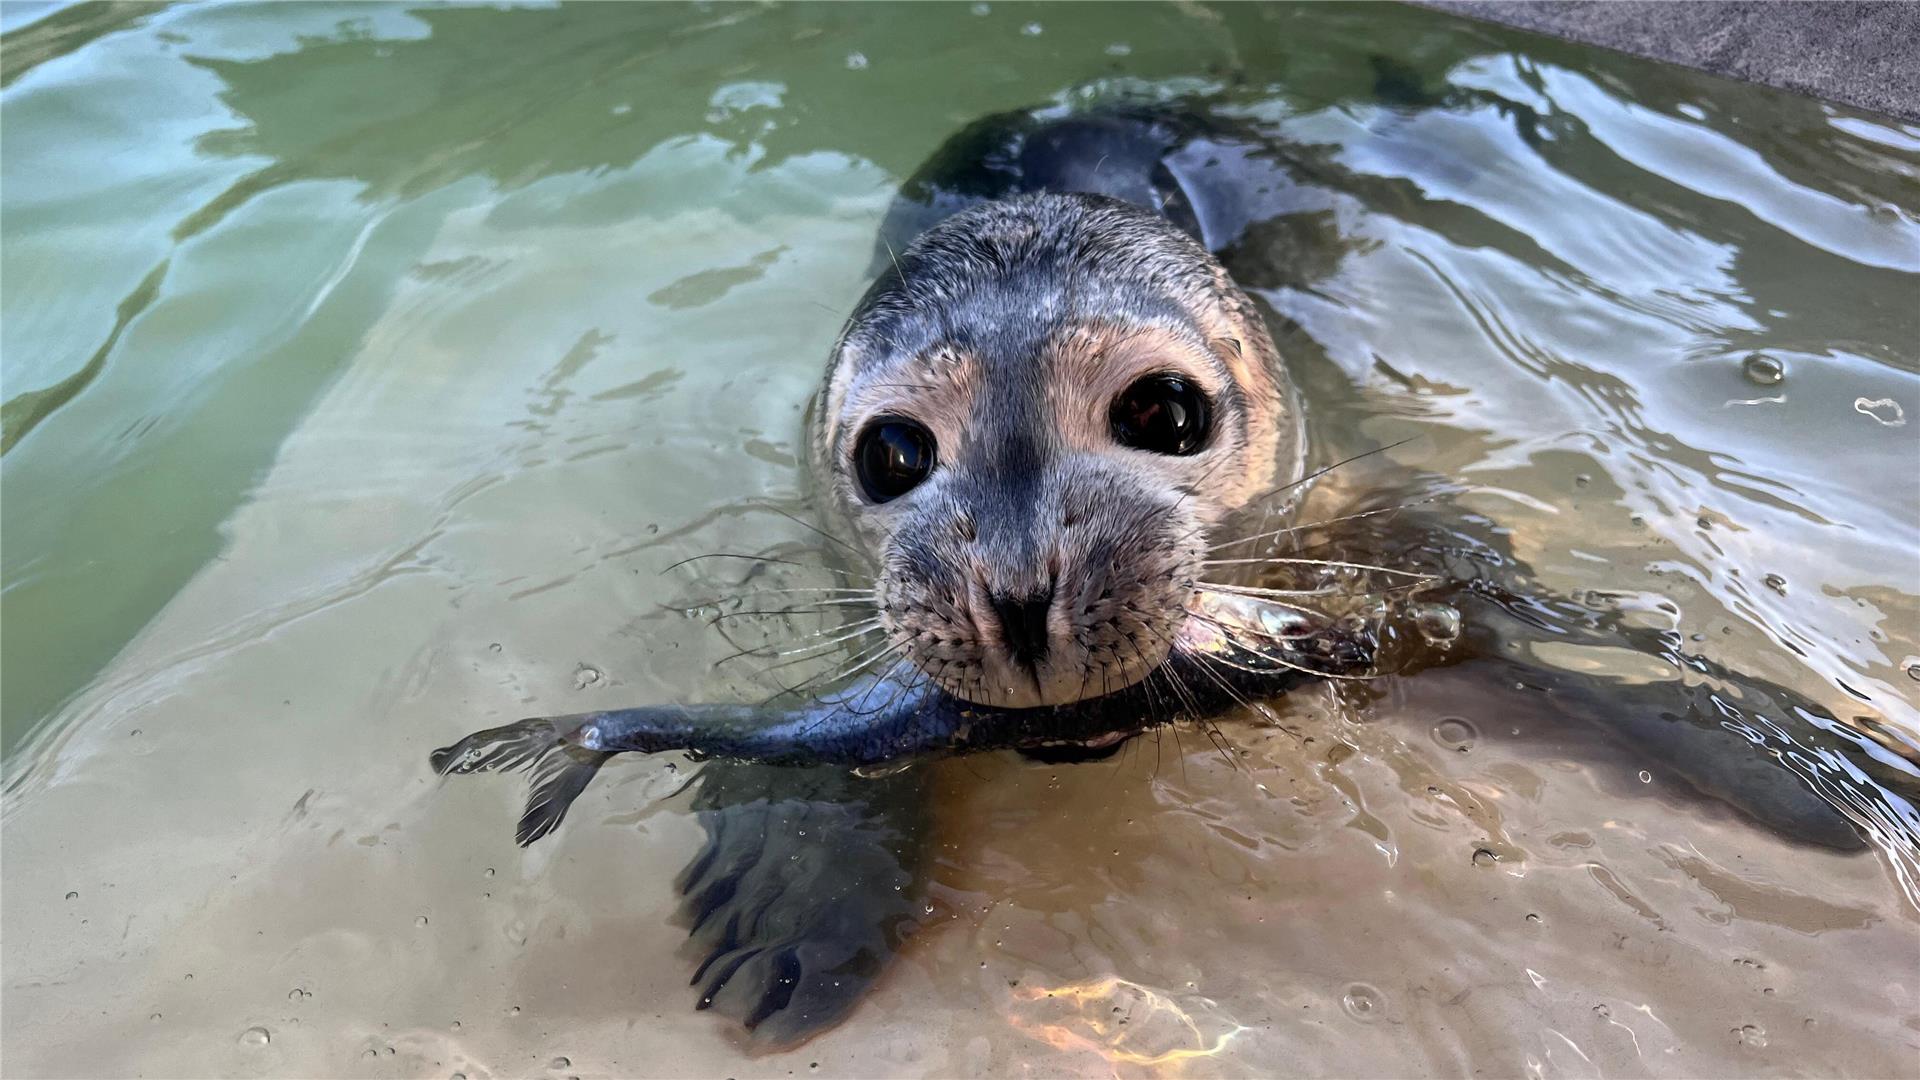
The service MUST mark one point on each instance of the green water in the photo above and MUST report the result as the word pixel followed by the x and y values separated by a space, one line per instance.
pixel 207 209
pixel 273 174
pixel 362 365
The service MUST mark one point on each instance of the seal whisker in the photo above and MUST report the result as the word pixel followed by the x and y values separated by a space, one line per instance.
pixel 1343 462
pixel 912 684
pixel 1306 525
pixel 762 558
pixel 1180 689
pixel 860 662
pixel 855 669
pixel 820 532
pixel 857 624
pixel 852 631
pixel 1255 590
pixel 1265 594
pixel 1179 752
pixel 1273 656
pixel 820 606
pixel 1335 563
pixel 1221 744
pixel 1225 685
pixel 841 590
pixel 1197 484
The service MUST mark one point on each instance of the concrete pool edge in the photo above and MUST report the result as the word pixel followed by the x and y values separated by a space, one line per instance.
pixel 1865 55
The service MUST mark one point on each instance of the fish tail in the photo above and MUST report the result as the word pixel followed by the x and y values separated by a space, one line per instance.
pixel 501 749
pixel 558 779
pixel 561 768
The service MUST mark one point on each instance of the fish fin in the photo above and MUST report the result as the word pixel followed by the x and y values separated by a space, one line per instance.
pixel 562 773
pixel 561 770
pixel 501 749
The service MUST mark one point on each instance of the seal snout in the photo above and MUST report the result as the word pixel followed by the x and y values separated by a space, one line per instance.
pixel 1024 625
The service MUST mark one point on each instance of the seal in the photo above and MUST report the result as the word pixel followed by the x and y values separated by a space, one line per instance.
pixel 1036 419
pixel 1060 433
pixel 1049 399
pixel 1035 422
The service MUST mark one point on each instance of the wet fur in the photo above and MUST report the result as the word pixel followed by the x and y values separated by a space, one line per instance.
pixel 1008 330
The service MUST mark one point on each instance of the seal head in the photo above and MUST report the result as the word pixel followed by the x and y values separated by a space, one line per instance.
pixel 1034 420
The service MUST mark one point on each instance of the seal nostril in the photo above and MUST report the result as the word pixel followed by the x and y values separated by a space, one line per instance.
pixel 1023 625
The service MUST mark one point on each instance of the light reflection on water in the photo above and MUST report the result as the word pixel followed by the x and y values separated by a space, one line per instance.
pixel 363 366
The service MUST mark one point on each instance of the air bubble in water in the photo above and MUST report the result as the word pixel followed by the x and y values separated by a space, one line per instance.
pixel 421 921
pixel 1363 1003
pixel 586 675
pixel 256 1036
pixel 1913 671
pixel 297 994
pixel 1033 29
pixel 1763 370
pixel 73 896
pixel 559 1063
pixel 1646 777
pixel 1456 734
pixel 1484 857
pixel 1438 623
pixel 1776 583
pixel 1751 1035
pixel 856 61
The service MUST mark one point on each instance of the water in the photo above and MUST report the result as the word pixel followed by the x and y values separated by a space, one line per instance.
pixel 364 366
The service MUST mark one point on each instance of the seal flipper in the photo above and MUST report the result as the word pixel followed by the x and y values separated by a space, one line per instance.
pixel 807 885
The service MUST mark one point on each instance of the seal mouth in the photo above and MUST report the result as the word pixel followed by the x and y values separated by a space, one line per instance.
pixel 1222 627
pixel 1027 652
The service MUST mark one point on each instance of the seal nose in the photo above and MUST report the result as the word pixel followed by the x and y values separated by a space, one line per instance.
pixel 1023 625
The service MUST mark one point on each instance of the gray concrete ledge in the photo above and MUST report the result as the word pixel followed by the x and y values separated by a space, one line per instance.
pixel 1862 54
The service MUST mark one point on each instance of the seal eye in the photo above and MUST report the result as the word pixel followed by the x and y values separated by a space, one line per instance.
pixel 1164 414
pixel 893 455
